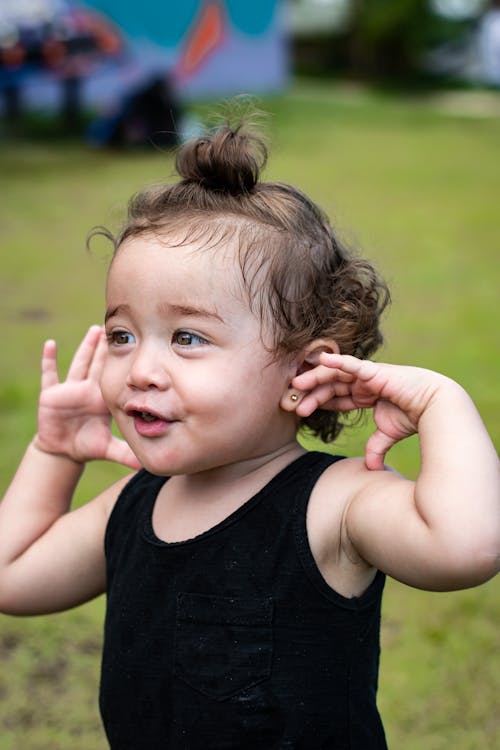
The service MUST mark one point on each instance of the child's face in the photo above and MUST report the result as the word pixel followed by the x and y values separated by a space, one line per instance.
pixel 187 377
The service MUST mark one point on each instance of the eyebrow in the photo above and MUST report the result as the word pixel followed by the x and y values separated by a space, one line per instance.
pixel 191 311
pixel 112 311
pixel 184 310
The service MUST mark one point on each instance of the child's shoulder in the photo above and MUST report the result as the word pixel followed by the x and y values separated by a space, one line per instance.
pixel 348 486
pixel 329 536
pixel 345 479
pixel 108 498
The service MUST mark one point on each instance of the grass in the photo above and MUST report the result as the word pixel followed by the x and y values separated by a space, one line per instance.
pixel 417 191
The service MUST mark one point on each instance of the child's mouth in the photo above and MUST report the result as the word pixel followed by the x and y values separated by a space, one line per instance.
pixel 146 416
pixel 150 425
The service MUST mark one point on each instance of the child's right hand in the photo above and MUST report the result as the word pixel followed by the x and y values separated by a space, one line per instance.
pixel 73 419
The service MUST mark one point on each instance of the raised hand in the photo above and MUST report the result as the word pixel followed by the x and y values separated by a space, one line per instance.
pixel 73 419
pixel 398 395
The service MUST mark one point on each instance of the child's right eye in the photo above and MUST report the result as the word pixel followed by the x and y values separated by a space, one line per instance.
pixel 120 338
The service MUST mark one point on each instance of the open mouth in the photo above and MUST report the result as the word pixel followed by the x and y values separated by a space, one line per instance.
pixel 146 416
pixel 148 424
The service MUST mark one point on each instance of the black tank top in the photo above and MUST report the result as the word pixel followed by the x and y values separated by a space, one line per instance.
pixel 233 640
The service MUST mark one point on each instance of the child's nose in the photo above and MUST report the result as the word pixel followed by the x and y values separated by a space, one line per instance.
pixel 148 370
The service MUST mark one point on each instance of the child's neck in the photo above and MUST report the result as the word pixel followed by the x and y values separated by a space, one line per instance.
pixel 191 504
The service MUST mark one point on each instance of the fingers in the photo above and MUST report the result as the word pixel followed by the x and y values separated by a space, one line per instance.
pixel 345 369
pixel 344 383
pixel 87 361
pixel 332 384
pixel 50 375
pixel 82 361
pixel 377 446
pixel 320 375
pixel 334 396
pixel 340 382
pixel 119 451
pixel 364 369
pixel 99 358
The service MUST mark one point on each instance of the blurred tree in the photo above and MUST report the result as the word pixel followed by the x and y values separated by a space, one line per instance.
pixel 379 39
pixel 387 38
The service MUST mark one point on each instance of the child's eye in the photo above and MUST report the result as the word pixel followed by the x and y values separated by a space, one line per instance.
pixel 185 338
pixel 120 338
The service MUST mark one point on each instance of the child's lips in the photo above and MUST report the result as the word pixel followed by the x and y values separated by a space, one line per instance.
pixel 157 428
pixel 149 423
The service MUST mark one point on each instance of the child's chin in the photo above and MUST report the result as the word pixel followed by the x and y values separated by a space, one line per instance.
pixel 164 466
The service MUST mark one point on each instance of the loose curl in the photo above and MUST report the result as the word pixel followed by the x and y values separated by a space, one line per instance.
pixel 297 275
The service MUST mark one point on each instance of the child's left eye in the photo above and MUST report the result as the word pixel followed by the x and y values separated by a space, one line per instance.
pixel 185 338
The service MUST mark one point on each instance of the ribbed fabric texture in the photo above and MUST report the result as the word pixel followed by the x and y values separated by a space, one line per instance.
pixel 233 639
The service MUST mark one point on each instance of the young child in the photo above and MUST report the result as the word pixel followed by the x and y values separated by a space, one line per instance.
pixel 244 575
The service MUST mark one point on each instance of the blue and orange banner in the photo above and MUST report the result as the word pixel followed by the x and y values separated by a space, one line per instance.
pixel 208 46
pixel 205 47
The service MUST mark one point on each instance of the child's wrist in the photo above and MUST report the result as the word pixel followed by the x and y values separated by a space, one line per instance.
pixel 39 447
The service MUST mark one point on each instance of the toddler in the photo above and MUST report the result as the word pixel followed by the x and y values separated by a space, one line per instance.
pixel 243 574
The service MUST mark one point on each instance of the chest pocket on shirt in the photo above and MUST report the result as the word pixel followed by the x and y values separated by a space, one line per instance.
pixel 223 645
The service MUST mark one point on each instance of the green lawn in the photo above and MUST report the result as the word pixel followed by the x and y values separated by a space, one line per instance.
pixel 418 192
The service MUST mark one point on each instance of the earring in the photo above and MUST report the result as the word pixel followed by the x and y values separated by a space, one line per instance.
pixel 294 397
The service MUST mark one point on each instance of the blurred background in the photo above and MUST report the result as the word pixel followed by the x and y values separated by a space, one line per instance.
pixel 119 66
pixel 387 113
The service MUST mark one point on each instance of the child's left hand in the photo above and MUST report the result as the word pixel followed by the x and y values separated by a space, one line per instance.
pixel 441 531
pixel 398 395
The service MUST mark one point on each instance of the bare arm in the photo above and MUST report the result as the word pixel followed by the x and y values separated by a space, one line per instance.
pixel 50 558
pixel 442 531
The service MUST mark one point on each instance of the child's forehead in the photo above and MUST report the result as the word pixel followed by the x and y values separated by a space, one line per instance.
pixel 179 250
pixel 188 267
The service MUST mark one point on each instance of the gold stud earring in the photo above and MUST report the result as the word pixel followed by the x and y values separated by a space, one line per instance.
pixel 294 397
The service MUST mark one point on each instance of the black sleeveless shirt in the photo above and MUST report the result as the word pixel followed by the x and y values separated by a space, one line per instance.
pixel 233 640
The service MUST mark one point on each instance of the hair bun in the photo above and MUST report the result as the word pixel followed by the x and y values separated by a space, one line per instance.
pixel 229 160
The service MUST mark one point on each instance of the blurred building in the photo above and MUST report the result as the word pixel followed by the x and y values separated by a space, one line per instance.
pixel 206 47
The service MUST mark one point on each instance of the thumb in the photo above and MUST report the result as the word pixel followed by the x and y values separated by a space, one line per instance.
pixel 121 453
pixel 377 445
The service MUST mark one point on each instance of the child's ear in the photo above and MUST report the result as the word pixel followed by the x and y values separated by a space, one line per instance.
pixel 311 352
pixel 306 359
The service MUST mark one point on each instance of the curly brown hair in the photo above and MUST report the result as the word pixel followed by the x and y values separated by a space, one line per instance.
pixel 296 273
